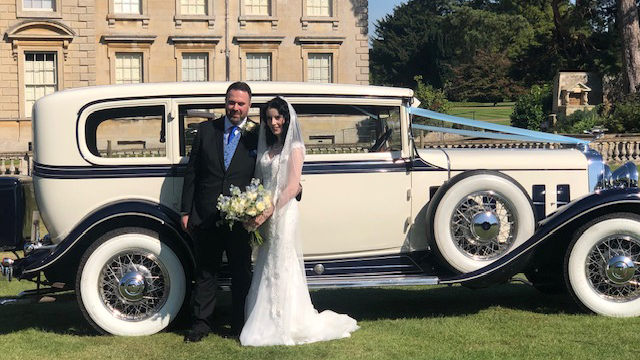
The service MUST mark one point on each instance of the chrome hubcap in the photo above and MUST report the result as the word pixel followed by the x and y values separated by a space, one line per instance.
pixel 134 285
pixel 484 225
pixel 611 268
pixel 620 269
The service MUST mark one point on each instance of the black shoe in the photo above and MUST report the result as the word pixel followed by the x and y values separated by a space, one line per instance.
pixel 227 333
pixel 195 336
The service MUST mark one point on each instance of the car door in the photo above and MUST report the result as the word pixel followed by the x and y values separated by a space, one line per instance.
pixel 356 199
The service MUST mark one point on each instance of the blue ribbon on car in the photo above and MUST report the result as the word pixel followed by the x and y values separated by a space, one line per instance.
pixel 502 132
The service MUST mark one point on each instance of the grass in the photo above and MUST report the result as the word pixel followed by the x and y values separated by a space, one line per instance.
pixel 509 321
pixel 484 111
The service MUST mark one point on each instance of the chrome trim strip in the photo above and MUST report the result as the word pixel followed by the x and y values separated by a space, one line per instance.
pixel 595 167
pixel 327 268
pixel 448 163
pixel 371 281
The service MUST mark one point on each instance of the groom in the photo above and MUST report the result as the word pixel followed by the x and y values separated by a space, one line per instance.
pixel 222 155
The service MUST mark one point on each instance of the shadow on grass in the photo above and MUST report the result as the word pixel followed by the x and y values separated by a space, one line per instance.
pixel 64 316
pixel 424 302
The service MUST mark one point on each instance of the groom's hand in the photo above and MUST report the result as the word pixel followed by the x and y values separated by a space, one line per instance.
pixel 184 222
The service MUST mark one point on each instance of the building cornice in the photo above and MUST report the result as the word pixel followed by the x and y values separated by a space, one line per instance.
pixel 258 39
pixel 180 39
pixel 122 38
pixel 335 40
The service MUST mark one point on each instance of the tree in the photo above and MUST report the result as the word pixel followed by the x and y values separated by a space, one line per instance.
pixel 628 17
pixel 468 30
pixel 532 109
pixel 409 42
pixel 430 97
pixel 429 37
pixel 538 37
pixel 486 78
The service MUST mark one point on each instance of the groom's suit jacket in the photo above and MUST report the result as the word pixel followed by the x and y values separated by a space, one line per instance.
pixel 206 177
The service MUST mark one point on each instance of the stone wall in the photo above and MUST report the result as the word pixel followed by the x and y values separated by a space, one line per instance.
pixel 86 35
pixel 70 32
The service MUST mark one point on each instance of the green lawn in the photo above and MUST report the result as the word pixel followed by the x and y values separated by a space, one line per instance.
pixel 484 111
pixel 509 321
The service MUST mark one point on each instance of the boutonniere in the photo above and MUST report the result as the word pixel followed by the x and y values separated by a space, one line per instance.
pixel 248 127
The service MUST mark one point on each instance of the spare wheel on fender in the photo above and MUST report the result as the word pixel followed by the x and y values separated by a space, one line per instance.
pixel 479 217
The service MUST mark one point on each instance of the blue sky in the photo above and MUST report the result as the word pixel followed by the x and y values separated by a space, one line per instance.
pixel 378 9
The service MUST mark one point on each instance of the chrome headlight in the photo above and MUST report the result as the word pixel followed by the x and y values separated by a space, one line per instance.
pixel 625 176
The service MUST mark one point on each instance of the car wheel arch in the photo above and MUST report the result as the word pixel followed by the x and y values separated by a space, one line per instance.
pixel 141 214
pixel 550 254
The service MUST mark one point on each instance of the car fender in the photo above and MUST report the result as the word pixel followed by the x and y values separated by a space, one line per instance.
pixel 108 217
pixel 567 218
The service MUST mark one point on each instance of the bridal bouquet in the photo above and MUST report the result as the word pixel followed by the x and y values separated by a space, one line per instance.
pixel 242 206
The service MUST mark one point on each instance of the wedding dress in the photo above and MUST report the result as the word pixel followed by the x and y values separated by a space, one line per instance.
pixel 278 308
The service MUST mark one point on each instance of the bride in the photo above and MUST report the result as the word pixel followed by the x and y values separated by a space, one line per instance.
pixel 278 308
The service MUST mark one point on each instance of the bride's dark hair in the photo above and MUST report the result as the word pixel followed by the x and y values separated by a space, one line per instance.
pixel 283 109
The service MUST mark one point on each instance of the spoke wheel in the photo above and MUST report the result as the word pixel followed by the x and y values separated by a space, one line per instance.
pixel 480 216
pixel 601 266
pixel 483 225
pixel 130 283
pixel 611 268
pixel 134 285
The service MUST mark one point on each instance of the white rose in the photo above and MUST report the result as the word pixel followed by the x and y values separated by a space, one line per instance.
pixel 260 206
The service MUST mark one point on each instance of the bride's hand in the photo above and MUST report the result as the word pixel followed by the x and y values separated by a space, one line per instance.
pixel 260 219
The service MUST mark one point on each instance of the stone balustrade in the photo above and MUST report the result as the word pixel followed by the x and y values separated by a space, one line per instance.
pixel 614 148
pixel 16 163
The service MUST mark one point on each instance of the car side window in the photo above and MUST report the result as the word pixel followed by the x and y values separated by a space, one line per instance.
pixel 330 129
pixel 193 114
pixel 127 132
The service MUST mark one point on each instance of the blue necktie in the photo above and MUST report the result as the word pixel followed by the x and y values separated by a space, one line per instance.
pixel 232 134
pixel 230 147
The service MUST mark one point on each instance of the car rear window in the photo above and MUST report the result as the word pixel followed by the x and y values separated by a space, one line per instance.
pixel 127 132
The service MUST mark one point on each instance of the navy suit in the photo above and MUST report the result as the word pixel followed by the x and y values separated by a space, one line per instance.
pixel 205 180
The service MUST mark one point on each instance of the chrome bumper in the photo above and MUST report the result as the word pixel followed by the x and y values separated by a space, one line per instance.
pixel 6 269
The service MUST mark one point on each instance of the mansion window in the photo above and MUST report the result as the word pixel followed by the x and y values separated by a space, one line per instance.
pixel 127 6
pixel 319 67
pixel 40 77
pixel 195 67
pixel 39 5
pixel 257 7
pixel 319 8
pixel 128 68
pixel 193 7
pixel 258 67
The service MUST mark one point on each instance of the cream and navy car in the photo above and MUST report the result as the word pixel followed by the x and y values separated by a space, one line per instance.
pixel 376 210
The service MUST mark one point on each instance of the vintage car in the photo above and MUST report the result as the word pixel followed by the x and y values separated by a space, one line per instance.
pixel 376 210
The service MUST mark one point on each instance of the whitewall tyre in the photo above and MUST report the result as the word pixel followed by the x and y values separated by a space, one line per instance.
pixel 601 266
pixel 130 283
pixel 479 219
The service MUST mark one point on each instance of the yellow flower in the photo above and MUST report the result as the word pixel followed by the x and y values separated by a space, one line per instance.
pixel 260 206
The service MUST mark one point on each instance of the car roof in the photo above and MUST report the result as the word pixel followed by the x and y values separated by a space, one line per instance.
pixel 265 88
